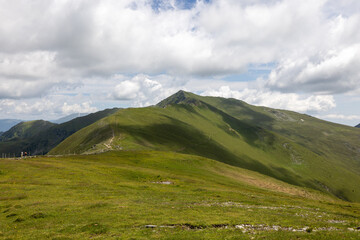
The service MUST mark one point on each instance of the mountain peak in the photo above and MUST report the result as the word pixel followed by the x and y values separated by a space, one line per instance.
pixel 181 97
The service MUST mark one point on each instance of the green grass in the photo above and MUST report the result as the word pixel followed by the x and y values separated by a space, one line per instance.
pixel 115 194
pixel 199 126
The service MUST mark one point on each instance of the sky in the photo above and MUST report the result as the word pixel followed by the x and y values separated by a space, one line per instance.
pixel 69 56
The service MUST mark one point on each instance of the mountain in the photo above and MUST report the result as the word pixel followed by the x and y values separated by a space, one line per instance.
pixel 26 130
pixel 39 140
pixel 358 126
pixel 69 117
pixel 6 124
pixel 292 147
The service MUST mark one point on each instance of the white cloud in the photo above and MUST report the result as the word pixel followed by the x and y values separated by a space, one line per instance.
pixel 45 108
pixel 126 90
pixel 78 108
pixel 224 36
pixel 335 71
pixel 340 117
pixel 289 101
pixel 143 90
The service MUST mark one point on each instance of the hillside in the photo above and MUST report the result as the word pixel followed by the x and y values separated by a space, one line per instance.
pixel 358 126
pixel 272 142
pixel 339 144
pixel 160 195
pixel 26 130
pixel 41 140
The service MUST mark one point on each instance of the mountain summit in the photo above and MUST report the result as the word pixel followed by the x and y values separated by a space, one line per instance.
pixel 181 97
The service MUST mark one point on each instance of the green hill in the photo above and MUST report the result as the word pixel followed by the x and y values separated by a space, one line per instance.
pixel 160 195
pixel 26 130
pixel 291 147
pixel 38 137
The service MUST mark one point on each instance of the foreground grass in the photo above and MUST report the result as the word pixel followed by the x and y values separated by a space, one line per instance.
pixel 115 195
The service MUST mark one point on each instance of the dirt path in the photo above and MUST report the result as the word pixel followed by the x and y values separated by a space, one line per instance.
pixel 108 145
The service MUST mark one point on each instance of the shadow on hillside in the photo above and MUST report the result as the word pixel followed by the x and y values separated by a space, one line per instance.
pixel 178 136
pixel 253 135
pixel 236 108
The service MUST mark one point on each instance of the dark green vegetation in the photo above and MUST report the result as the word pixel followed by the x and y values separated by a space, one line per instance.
pixel 38 137
pixel 122 195
pixel 291 147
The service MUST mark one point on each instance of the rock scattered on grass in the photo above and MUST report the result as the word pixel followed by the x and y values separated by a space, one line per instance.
pixel 164 182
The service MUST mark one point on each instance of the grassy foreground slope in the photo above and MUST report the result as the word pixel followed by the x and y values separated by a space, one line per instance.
pixel 115 195
pixel 186 124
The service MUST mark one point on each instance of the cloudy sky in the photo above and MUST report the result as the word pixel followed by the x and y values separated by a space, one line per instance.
pixel 66 56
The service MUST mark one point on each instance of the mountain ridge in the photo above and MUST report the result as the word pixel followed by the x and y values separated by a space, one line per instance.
pixel 233 132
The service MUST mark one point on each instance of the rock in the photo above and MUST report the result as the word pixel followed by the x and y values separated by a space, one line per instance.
pixel 150 226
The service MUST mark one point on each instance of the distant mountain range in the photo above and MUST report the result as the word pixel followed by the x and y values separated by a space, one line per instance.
pixel 6 124
pixel 69 118
pixel 358 126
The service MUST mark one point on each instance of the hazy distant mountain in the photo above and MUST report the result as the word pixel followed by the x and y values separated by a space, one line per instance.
pixel 69 118
pixel 358 126
pixel 6 124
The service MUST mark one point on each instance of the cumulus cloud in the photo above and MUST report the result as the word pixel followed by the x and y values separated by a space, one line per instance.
pixel 289 101
pixel 143 91
pixel 46 108
pixel 220 37
pixel 84 107
pixel 336 71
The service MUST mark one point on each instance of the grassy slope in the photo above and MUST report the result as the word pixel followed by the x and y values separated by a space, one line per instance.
pixel 42 139
pixel 115 194
pixel 339 144
pixel 203 130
